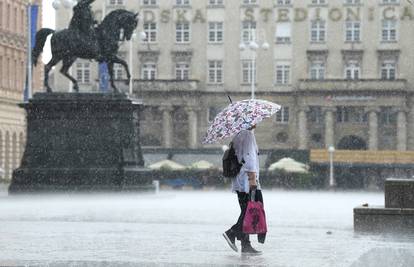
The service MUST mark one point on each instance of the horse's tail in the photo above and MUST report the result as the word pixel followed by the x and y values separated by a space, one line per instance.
pixel 41 37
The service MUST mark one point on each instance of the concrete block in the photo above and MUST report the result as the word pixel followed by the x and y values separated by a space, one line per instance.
pixel 399 193
pixel 380 219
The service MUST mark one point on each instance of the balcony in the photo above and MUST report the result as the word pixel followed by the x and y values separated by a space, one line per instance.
pixel 362 85
pixel 161 86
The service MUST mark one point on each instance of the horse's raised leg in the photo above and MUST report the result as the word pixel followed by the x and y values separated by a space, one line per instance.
pixel 48 67
pixel 67 62
pixel 111 75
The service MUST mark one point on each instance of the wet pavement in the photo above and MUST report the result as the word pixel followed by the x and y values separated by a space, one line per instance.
pixel 184 228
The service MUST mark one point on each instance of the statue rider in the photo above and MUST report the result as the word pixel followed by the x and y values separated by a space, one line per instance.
pixel 84 22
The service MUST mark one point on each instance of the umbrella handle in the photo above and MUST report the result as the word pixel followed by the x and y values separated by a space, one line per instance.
pixel 231 102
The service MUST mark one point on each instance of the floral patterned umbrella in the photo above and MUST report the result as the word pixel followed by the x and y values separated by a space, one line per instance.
pixel 239 116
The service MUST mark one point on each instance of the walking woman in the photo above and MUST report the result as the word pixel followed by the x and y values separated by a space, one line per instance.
pixel 239 119
pixel 247 180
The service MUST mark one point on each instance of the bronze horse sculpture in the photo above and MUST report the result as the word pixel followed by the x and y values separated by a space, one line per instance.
pixel 69 44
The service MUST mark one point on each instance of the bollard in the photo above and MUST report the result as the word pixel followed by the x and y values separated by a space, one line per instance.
pixel 156 184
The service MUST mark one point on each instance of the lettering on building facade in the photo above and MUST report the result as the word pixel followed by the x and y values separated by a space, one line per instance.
pixel 287 14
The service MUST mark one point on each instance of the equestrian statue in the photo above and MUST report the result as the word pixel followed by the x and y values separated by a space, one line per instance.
pixel 85 38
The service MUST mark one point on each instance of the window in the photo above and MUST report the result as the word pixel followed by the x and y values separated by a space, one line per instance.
pixel 182 2
pixel 1 14
pixel 283 2
pixel 7 17
pixel 390 1
pixel 150 29
pixel 282 115
pixel 351 114
pixel 16 16
pixel 182 32
pixel 317 70
pixel 388 70
pixel 282 137
pixel 249 2
pixel 215 32
pixel 247 71
pixel 352 31
pixel 212 113
pixel 215 71
pixel 83 72
pixel 248 31
pixel 318 31
pixel 389 30
pixel 116 2
pixel 8 70
pixel 342 114
pixel 316 137
pixel 215 2
pixel 315 114
pixel 352 2
pixel 318 2
pixel 182 71
pixel 282 73
pixel 1 70
pixel 149 71
pixel 22 20
pixel 283 32
pixel 352 70
pixel 387 116
pixel 118 72
pixel 149 2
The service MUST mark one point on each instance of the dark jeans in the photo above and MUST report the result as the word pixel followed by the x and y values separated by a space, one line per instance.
pixel 237 229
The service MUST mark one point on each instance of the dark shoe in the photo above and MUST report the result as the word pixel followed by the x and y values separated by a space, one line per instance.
pixel 249 250
pixel 231 239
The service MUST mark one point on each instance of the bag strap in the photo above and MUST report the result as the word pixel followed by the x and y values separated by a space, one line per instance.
pixel 253 195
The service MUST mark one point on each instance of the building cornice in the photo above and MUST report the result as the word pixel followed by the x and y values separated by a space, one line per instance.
pixel 14 40
pixel 362 85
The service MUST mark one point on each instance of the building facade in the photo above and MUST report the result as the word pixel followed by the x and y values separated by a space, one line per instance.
pixel 13 58
pixel 340 69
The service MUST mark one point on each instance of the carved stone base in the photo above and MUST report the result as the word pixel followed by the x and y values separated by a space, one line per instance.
pixel 78 141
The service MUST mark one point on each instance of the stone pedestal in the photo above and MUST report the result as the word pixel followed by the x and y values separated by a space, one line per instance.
pixel 396 216
pixel 78 141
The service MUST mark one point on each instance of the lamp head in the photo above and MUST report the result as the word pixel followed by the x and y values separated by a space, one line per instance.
pixel 242 46
pixel 143 36
pixel 253 45
pixel 265 46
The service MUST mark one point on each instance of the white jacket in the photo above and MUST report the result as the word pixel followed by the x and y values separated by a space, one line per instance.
pixel 245 146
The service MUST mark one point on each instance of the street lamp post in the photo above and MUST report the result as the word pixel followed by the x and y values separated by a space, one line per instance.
pixel 29 50
pixel 254 46
pixel 143 37
pixel 331 150
pixel 67 4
